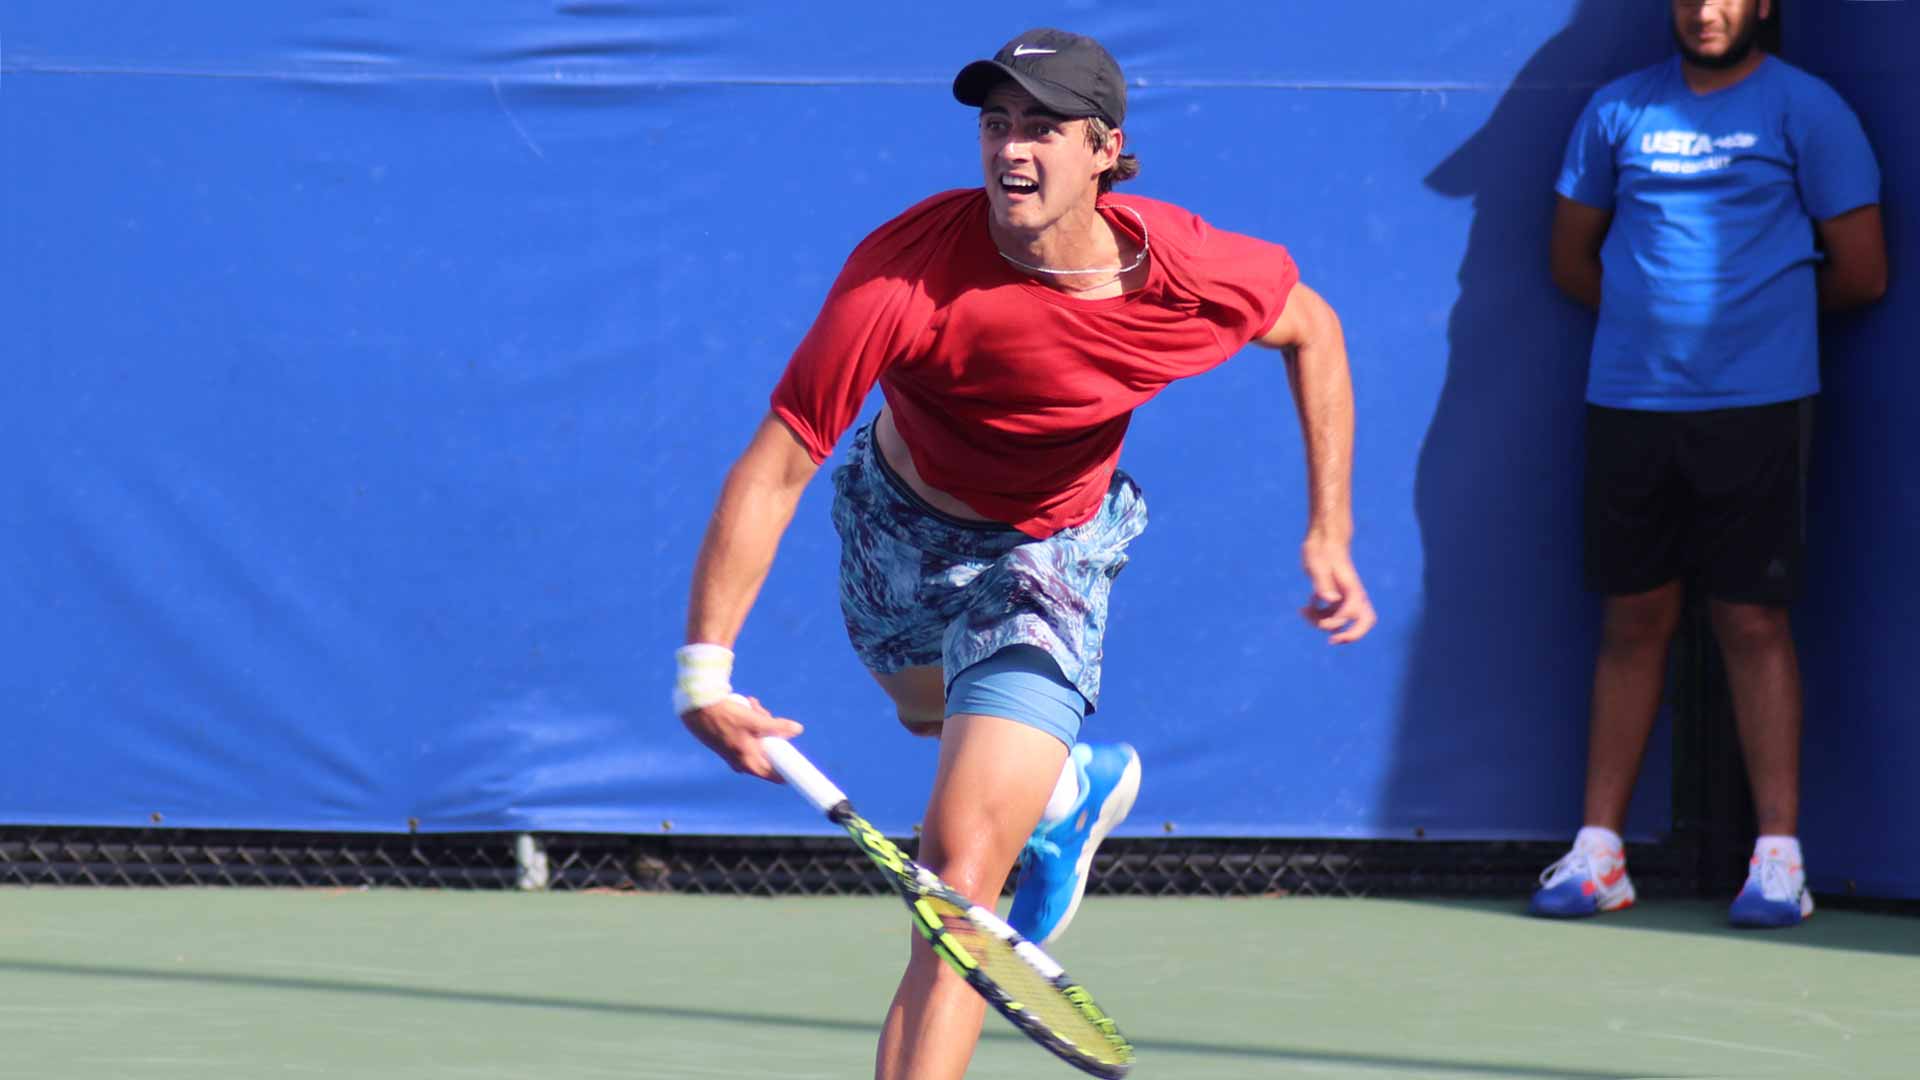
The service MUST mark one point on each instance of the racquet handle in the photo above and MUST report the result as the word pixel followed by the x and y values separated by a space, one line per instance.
pixel 810 782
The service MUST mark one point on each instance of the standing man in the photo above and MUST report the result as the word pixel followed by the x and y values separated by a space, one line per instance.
pixel 1691 200
pixel 1012 330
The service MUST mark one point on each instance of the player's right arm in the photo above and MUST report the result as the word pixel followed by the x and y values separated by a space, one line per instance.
pixel 873 311
pixel 755 507
pixel 1579 231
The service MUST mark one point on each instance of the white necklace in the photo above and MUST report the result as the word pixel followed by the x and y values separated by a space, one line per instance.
pixel 1134 265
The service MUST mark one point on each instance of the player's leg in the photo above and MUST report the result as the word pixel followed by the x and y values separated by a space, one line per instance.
pixel 1040 613
pixel 1763 675
pixel 1753 461
pixel 1634 517
pixel 905 576
pixel 1636 633
pixel 1628 675
pixel 994 777
pixel 1092 795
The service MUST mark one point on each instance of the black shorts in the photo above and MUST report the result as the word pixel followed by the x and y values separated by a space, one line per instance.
pixel 1718 497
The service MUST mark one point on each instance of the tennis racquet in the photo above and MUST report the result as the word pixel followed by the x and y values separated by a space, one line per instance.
pixel 1013 974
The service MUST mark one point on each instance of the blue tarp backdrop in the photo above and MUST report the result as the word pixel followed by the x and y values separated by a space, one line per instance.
pixel 371 370
pixel 1857 627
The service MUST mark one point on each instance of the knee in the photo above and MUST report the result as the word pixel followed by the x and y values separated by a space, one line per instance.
pixel 1750 628
pixel 968 852
pixel 972 876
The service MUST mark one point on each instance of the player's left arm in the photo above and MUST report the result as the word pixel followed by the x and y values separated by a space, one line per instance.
pixel 1308 333
pixel 1838 178
pixel 1855 271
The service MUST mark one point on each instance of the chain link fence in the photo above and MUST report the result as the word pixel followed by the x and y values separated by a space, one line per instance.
pixel 775 866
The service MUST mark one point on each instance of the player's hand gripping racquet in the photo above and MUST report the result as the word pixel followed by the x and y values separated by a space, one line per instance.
pixel 1015 977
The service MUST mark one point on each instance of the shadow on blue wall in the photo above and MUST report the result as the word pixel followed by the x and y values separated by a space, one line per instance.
pixel 1857 634
pixel 1497 493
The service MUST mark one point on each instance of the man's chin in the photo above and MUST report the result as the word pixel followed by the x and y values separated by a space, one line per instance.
pixel 1015 218
pixel 1730 56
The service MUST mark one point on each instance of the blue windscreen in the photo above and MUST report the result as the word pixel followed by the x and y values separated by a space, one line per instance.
pixel 373 369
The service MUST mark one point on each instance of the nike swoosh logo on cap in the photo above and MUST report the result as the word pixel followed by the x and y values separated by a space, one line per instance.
pixel 1028 50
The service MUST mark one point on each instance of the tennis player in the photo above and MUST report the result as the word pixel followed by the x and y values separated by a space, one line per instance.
pixel 1013 329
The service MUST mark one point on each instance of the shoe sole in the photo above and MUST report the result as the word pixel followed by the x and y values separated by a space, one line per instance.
pixel 1545 914
pixel 1112 812
pixel 1602 907
pixel 1806 912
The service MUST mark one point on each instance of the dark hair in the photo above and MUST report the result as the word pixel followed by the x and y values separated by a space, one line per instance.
pixel 1126 168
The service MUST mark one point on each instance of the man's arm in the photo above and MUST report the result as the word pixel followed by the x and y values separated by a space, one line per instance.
pixel 1574 251
pixel 1855 272
pixel 1309 333
pixel 756 505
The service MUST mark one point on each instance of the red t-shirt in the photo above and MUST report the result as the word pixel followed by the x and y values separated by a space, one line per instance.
pixel 1013 397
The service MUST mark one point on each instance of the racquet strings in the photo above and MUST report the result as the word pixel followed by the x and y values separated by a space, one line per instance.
pixel 1031 990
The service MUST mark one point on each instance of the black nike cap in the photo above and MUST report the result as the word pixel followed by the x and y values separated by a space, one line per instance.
pixel 1068 73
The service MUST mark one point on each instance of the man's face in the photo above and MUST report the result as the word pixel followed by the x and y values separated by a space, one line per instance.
pixel 1038 165
pixel 1717 33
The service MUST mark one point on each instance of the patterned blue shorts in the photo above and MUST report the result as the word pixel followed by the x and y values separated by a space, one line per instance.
pixel 920 587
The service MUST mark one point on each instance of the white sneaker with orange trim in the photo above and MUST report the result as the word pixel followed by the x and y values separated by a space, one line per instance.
pixel 1589 879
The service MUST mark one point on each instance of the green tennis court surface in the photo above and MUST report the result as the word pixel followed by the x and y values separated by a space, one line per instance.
pixel 216 984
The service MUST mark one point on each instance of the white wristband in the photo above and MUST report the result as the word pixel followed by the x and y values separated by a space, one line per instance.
pixel 705 676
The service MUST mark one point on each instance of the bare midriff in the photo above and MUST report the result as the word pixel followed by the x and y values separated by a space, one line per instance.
pixel 894 449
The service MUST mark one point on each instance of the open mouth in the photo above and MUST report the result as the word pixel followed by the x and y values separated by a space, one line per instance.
pixel 1019 185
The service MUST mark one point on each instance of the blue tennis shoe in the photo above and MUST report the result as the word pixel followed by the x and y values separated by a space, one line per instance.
pixel 1055 864
pixel 1775 894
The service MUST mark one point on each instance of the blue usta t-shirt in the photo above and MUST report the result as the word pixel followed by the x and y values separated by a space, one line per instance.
pixel 1707 295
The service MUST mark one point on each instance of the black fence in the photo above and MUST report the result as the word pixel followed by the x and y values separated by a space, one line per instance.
pixel 772 866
